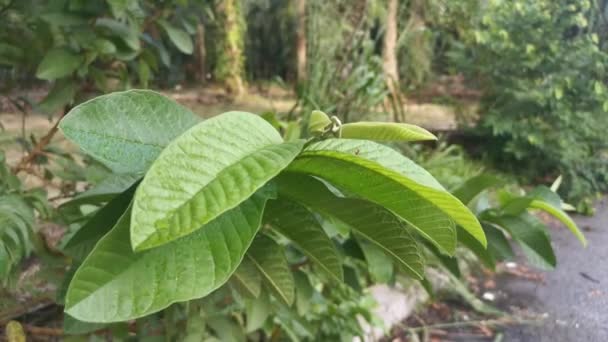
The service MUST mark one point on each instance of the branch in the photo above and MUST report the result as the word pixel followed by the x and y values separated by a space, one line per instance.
pixel 25 162
pixel 42 331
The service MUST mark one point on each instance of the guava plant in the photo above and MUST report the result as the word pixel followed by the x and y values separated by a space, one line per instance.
pixel 228 202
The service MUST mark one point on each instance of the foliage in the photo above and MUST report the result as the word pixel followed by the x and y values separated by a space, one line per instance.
pixel 195 222
pixel 85 45
pixel 346 77
pixel 543 73
pixel 511 213
pixel 18 232
pixel 270 32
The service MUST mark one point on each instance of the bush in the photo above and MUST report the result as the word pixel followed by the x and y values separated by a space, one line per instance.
pixel 257 234
pixel 83 46
pixel 543 72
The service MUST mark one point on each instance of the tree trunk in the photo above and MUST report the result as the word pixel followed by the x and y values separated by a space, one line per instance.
pixel 301 41
pixel 201 54
pixel 230 62
pixel 389 53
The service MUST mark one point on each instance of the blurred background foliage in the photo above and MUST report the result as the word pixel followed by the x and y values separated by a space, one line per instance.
pixel 531 74
pixel 524 80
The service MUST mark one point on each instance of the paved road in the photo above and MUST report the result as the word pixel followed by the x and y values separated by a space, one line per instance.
pixel 575 295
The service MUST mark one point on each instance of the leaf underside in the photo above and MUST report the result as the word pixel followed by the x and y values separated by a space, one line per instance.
pixel 301 227
pixel 382 175
pixel 269 258
pixel 369 220
pixel 127 130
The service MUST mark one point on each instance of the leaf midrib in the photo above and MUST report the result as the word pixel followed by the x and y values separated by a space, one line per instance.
pixel 114 137
pixel 162 222
pixel 270 279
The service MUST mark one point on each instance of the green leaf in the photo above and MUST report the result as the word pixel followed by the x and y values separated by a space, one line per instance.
pixel 209 169
pixel 63 19
pixel 300 226
pixel 81 243
pixel 474 246
pixel 545 199
pixel 379 264
pixel 226 329
pixel 559 214
pixel 105 190
pixel 304 292
pixel 60 95
pixel 178 37
pixel 72 326
pixel 115 284
pixel 269 259
pixel 369 220
pixel 382 175
pixel 126 130
pixel 126 33
pixel 529 233
pixel 318 122
pixel 248 279
pixel 104 46
pixel 58 63
pixel 474 186
pixel 448 262
pixel 385 131
pixel 257 311
pixel 498 244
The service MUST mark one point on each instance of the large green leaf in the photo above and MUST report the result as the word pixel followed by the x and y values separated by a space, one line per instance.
pixel 81 243
pixel 270 260
pixel 178 37
pixel 384 176
pixel 126 130
pixel 57 63
pixel 300 226
pixel 115 284
pixel 209 169
pixel 385 131
pixel 369 220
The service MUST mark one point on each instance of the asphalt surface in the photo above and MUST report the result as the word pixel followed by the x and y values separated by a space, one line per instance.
pixel 573 297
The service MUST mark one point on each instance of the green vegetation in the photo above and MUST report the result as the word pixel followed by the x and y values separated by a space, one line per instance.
pixel 542 66
pixel 134 217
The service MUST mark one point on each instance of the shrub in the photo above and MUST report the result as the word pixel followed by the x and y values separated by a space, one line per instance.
pixel 241 224
pixel 82 46
pixel 543 71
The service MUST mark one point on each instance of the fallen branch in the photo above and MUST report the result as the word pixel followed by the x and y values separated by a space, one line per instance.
pixel 477 323
pixel 44 331
pixel 29 307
